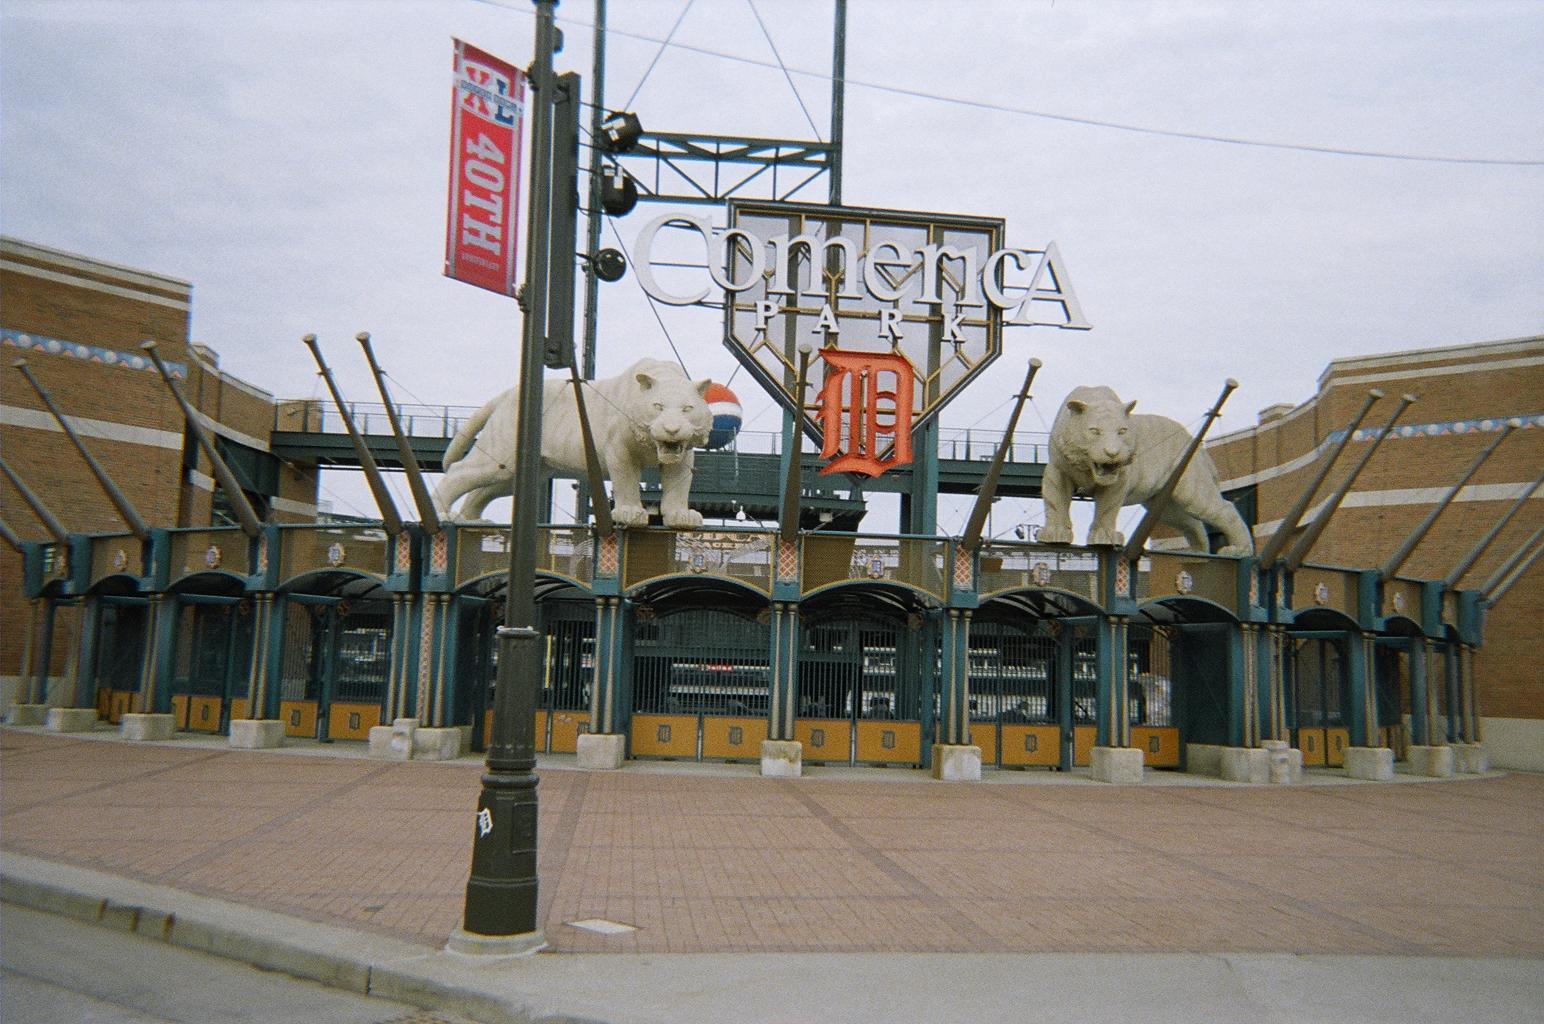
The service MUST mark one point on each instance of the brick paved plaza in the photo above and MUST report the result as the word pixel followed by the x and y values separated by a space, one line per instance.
pixel 711 860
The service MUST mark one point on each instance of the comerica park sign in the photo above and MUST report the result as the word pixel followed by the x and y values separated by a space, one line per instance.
pixel 904 309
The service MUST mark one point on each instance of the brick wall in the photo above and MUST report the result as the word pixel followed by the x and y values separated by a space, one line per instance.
pixel 79 324
pixel 1403 481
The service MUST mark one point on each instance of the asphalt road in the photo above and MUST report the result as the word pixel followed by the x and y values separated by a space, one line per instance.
pixel 55 970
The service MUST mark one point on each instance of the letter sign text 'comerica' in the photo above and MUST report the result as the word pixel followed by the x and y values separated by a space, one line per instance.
pixel 914 295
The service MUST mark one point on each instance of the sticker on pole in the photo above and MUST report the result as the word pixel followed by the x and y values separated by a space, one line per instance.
pixel 484 823
pixel 486 109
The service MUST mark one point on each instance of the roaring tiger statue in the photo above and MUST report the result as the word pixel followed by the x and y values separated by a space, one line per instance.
pixel 648 415
pixel 1098 448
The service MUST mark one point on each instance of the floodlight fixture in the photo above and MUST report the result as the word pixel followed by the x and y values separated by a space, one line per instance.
pixel 618 192
pixel 620 131
pixel 609 265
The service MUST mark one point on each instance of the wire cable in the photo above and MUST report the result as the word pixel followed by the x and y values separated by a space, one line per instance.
pixel 784 68
pixel 663 43
pixel 1089 122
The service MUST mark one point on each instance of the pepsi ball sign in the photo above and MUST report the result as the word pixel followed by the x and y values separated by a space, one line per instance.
pixel 725 409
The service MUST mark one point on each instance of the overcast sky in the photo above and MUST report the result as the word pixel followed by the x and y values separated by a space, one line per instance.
pixel 289 159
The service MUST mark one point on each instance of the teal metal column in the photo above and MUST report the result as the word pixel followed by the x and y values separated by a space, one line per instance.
pixel 45 658
pixel 1113 718
pixel 257 669
pixel 1066 644
pixel 1450 672
pixel 155 688
pixel 782 711
pixel 1249 706
pixel 86 663
pixel 1420 727
pixel 1362 689
pixel 1472 731
pixel 1268 683
pixel 609 710
pixel 954 729
pixel 271 680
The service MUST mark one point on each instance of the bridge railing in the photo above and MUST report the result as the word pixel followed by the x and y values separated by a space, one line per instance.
pixel 314 416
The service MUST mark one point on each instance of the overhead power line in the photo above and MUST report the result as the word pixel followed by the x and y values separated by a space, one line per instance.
pixel 1088 122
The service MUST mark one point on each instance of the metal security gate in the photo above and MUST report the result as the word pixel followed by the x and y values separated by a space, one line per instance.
pixel 336 664
pixel 213 654
pixel 1391 668
pixel 356 694
pixel 860 695
pixel 564 708
pixel 1015 712
pixel 1318 695
pixel 120 654
pixel 700 684
pixel 568 678
pixel 1150 695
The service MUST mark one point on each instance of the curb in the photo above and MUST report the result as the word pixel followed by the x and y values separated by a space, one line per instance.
pixel 336 957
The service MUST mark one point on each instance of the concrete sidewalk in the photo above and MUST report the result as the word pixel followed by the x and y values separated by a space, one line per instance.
pixel 1021 897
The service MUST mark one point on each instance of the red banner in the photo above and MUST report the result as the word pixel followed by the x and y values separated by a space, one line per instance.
pixel 487 102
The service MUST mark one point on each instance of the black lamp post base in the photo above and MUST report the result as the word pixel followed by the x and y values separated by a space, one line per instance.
pixel 473 944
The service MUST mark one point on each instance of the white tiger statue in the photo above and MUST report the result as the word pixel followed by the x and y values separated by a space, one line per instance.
pixel 1099 449
pixel 649 415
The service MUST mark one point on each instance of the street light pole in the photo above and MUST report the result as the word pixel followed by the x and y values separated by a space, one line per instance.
pixel 500 917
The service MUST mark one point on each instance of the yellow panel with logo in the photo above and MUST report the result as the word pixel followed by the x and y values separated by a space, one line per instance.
pixel 1159 745
pixel 984 735
pixel 238 708
pixel 203 714
pixel 733 737
pixel 352 721
pixel 1335 743
pixel 103 702
pixel 664 735
pixel 1311 743
pixel 886 742
pixel 299 717
pixel 1083 739
pixel 1031 745
pixel 825 739
pixel 567 727
pixel 179 710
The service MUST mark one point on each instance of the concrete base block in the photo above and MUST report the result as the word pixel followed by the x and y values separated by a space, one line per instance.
pixel 1372 764
pixel 71 719
pixel 256 733
pixel 437 744
pixel 1203 758
pixel 1274 745
pixel 1285 764
pixel 1436 762
pixel 1120 765
pixel 491 946
pixel 1470 758
pixel 1246 764
pixel 601 751
pixel 782 759
pixel 963 764
pixel 26 714
pixel 147 727
pixel 393 742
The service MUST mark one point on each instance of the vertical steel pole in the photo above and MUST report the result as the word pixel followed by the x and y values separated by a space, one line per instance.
pixel 500 915
pixel 838 97
pixel 593 221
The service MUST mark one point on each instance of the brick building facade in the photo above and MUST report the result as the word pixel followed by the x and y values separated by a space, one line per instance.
pixel 79 324
pixel 1464 395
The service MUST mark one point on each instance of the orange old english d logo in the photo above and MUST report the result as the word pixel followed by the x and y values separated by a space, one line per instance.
pixel 865 409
